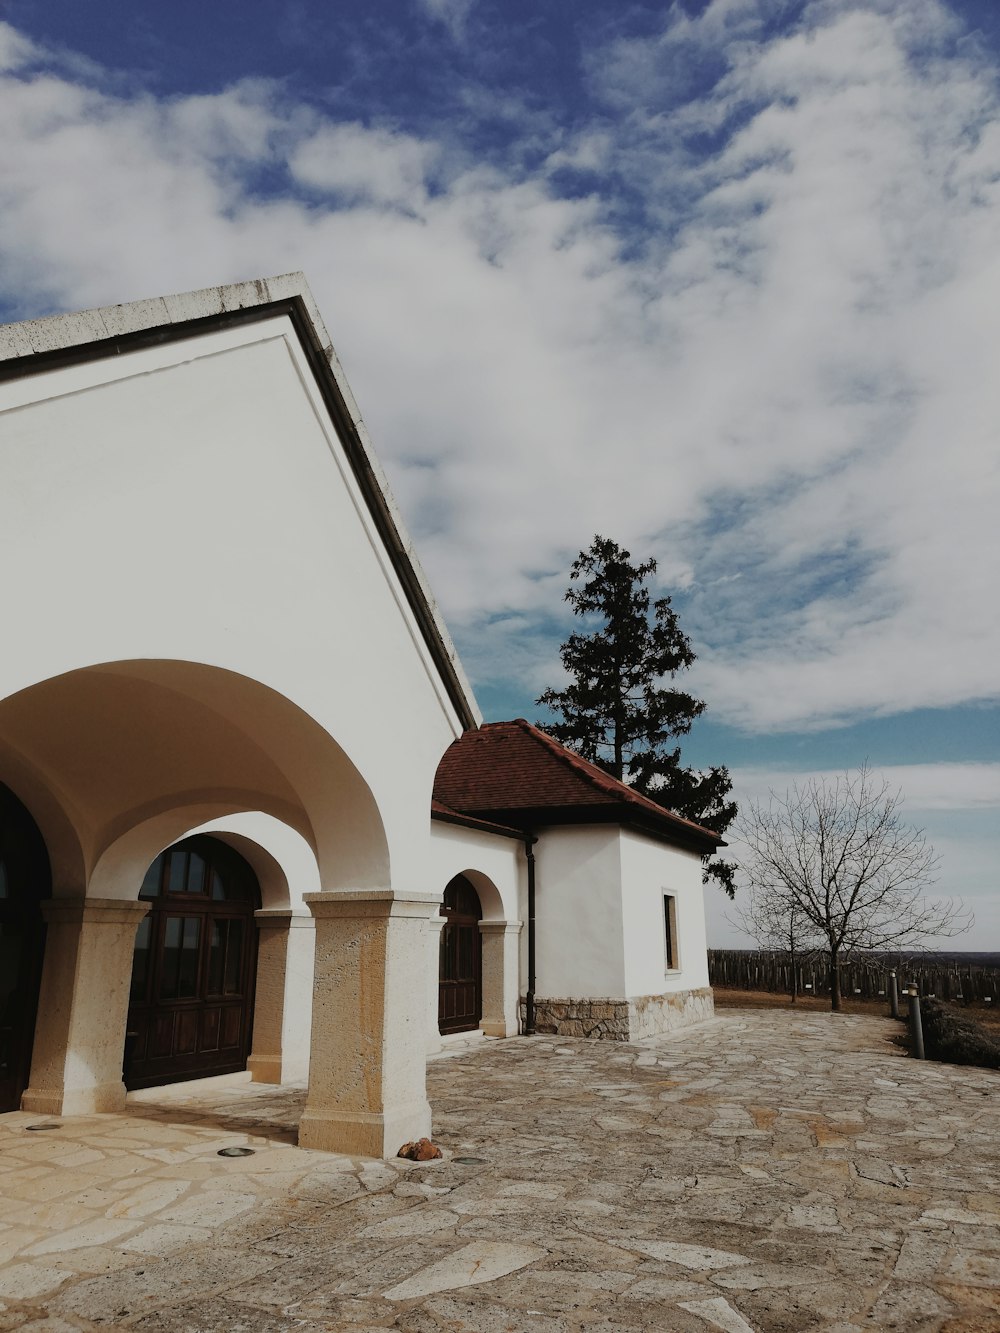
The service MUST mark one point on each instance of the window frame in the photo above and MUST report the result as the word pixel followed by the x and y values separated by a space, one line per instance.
pixel 671 939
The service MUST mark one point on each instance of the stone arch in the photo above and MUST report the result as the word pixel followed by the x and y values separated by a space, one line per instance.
pixel 194 965
pixel 497 964
pixel 126 758
pixel 125 742
pixel 285 866
pixel 489 895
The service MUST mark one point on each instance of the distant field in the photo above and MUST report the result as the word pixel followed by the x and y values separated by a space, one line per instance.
pixel 727 998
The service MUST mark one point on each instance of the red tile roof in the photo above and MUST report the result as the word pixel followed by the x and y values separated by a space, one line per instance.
pixel 515 773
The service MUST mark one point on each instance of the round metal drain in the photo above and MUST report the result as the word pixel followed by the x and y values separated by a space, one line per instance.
pixel 235 1152
pixel 48 1124
pixel 469 1161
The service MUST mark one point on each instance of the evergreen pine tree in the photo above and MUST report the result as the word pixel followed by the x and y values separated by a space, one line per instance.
pixel 616 711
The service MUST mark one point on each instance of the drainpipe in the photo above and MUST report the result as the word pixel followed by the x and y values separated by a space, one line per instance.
pixel 529 999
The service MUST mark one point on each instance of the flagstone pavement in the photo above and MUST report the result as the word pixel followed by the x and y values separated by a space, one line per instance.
pixel 764 1171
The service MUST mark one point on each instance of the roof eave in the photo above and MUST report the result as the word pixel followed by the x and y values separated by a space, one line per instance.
pixel 704 843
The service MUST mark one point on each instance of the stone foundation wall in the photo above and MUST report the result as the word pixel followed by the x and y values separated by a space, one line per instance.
pixel 649 1015
pixel 622 1020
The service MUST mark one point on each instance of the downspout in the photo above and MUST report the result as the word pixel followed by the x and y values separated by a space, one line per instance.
pixel 530 840
pixel 529 999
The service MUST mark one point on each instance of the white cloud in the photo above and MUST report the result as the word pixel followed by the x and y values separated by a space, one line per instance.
pixel 15 49
pixel 376 165
pixel 454 14
pixel 784 387
pixel 923 787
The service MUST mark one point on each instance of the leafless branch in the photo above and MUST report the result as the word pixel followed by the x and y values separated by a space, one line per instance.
pixel 833 865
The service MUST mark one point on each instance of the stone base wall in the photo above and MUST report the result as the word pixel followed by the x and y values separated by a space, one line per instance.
pixel 622 1020
pixel 649 1015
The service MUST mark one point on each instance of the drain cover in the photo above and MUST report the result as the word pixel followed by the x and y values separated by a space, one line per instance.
pixel 469 1161
pixel 235 1152
pixel 48 1124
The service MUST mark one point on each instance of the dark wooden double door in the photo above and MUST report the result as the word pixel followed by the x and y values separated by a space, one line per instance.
pixel 25 880
pixel 460 975
pixel 191 1001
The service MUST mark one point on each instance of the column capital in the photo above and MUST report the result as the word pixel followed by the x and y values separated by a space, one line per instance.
pixel 352 903
pixel 99 911
pixel 282 918
pixel 500 927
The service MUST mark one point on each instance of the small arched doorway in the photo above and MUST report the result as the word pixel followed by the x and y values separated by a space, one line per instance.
pixel 25 879
pixel 194 966
pixel 460 975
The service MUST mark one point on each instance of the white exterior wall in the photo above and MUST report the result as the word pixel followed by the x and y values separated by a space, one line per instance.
pixel 456 850
pixel 579 944
pixel 650 869
pixel 112 471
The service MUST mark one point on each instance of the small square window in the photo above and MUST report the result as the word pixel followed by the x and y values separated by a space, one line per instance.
pixel 670 932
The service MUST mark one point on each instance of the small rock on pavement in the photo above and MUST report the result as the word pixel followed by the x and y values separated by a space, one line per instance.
pixel 420 1150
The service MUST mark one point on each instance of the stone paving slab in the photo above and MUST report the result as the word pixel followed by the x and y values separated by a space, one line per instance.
pixel 770 1171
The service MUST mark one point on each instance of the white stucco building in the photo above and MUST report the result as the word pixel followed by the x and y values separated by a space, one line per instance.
pixel 249 817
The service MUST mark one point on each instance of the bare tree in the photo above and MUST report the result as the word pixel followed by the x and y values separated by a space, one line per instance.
pixel 833 864
pixel 776 922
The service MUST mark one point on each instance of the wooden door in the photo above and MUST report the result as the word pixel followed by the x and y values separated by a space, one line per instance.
pixel 460 976
pixel 25 879
pixel 194 966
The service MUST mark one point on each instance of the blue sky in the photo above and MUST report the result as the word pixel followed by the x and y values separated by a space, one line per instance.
pixel 719 280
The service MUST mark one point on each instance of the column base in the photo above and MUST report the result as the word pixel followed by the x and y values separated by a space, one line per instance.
pixel 264 1068
pixel 98 1100
pixel 497 1029
pixel 364 1133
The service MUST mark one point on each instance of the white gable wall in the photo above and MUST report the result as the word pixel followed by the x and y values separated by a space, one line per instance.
pixel 191 502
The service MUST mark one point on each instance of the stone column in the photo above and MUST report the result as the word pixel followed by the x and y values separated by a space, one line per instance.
pixel 283 997
pixel 76 1067
pixel 501 977
pixel 434 928
pixel 367 1073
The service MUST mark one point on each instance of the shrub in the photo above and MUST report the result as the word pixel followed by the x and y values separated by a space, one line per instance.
pixel 956 1038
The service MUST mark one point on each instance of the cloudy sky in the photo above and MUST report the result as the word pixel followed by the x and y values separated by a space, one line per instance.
pixel 720 280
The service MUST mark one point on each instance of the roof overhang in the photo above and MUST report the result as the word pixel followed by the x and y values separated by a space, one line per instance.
pixel 669 829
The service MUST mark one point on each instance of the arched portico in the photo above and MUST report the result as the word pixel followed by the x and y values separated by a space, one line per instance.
pixel 134 756
pixel 475 960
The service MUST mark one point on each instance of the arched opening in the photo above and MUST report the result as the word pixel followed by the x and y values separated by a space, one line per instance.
pixel 25 879
pixel 460 973
pixel 194 966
